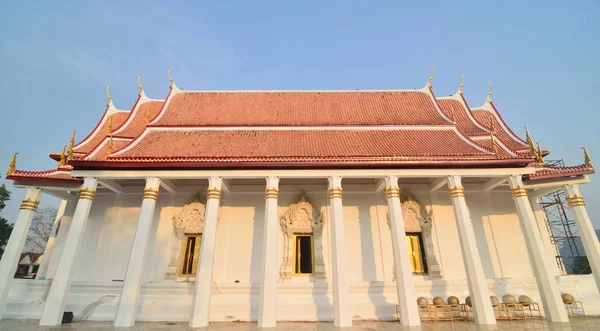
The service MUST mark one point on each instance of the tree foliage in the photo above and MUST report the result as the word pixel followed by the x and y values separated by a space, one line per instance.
pixel 40 230
pixel 5 227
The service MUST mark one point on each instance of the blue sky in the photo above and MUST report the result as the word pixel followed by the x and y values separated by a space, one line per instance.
pixel 58 57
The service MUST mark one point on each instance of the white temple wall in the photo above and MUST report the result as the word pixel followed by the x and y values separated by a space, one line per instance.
pixel 113 219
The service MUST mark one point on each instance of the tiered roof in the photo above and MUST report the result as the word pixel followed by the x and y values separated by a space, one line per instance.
pixel 307 129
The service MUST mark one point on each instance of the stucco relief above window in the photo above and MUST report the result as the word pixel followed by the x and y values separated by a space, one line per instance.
pixel 417 219
pixel 189 222
pixel 301 218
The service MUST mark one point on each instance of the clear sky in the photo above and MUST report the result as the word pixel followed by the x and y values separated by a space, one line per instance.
pixel 57 57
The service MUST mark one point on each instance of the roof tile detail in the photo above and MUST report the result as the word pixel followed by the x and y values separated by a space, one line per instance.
pixel 301 109
pixel 138 122
pixel 62 174
pixel 118 118
pixel 549 171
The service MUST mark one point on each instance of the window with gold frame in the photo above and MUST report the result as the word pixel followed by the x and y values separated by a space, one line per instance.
pixel 304 262
pixel 190 251
pixel 416 253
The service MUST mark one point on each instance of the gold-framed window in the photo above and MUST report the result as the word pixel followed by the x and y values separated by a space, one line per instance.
pixel 304 260
pixel 416 253
pixel 190 251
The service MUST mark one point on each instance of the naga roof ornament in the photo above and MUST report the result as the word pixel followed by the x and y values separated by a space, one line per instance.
pixel 13 165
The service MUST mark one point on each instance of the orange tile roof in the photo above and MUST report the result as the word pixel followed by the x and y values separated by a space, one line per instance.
pixel 550 171
pixel 136 123
pixel 301 109
pixel 485 118
pixel 96 136
pixel 62 174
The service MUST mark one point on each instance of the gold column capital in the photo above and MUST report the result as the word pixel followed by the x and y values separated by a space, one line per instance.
pixel 213 193
pixel 518 191
pixel 87 194
pixel 150 193
pixel 271 193
pixel 335 192
pixel 392 192
pixel 457 191
pixel 575 201
pixel 29 204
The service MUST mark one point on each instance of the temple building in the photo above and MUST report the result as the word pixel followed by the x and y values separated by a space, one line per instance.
pixel 295 206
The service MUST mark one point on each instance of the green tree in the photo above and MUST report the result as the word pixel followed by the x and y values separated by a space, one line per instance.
pixel 5 227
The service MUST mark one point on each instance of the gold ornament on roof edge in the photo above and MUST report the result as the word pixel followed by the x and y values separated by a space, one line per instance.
pixel 462 83
pixel 140 84
pixel 13 165
pixel 539 153
pixel 62 157
pixel 108 94
pixel 110 141
pixel 494 148
pixel 453 117
pixel 71 145
pixel 430 77
pixel 489 96
pixel 148 116
pixel 170 78
pixel 492 126
pixel 586 158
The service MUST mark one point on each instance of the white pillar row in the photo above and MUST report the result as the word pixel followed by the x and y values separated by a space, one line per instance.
pixel 41 273
pixel 201 300
pixel 267 313
pixel 478 288
pixel 59 288
pixel 130 294
pixel 586 229
pixel 405 284
pixel 553 306
pixel 14 247
pixel 342 313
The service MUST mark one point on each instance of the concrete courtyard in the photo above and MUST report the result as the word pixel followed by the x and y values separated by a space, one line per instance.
pixel 581 323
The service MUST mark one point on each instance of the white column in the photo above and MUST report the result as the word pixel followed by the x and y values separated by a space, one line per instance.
pixel 130 294
pixel 204 275
pixel 586 229
pixel 14 247
pixel 267 313
pixel 405 284
pixel 553 306
pixel 342 313
pixel 480 297
pixel 59 288
pixel 41 273
pixel 61 238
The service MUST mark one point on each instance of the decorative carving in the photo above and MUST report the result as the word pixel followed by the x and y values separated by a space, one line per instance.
pixel 189 220
pixel 301 217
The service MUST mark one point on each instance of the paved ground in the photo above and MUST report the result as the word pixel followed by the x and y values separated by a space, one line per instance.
pixel 581 323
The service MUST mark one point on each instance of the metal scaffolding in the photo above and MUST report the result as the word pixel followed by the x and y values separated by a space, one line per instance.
pixel 568 249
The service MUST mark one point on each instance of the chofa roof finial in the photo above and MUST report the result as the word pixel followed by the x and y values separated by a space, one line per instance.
pixel 108 95
pixel 532 151
pixel 462 83
pixel 430 77
pixel 489 96
pixel 586 158
pixel 71 145
pixel 140 84
pixel 171 78
pixel 539 153
pixel 13 165
pixel 63 158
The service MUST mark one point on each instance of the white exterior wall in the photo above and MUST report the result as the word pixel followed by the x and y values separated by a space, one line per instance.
pixel 108 240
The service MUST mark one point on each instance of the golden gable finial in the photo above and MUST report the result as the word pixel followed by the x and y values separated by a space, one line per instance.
pixel 13 165
pixel 492 126
pixel 71 145
pixel 462 83
pixel 170 78
pixel 108 94
pixel 489 96
pixel 140 84
pixel 494 147
pixel 587 159
pixel 539 154
pixel 532 152
pixel 63 158
pixel 430 77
